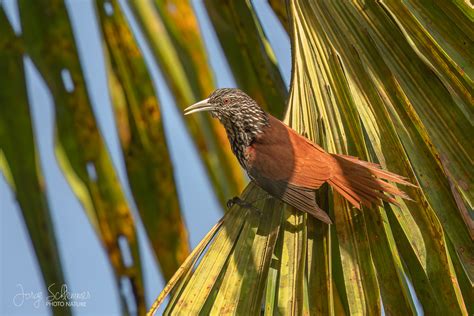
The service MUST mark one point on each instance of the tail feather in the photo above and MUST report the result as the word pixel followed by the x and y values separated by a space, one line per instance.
pixel 375 185
pixel 361 192
pixel 375 169
pixel 346 192
pixel 362 182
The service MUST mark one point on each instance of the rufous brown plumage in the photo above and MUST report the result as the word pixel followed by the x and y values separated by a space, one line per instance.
pixel 290 167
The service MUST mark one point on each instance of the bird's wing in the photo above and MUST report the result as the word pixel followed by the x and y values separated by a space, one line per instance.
pixel 281 154
pixel 302 199
pixel 289 167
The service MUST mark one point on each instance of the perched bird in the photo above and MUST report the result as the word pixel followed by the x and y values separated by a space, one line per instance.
pixel 287 165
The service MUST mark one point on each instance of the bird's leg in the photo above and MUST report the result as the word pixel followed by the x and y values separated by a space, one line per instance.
pixel 244 204
pixel 237 200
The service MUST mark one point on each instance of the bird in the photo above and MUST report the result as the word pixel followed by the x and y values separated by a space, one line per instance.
pixel 289 166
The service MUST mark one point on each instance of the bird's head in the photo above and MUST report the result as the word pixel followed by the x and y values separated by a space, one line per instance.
pixel 241 116
pixel 232 107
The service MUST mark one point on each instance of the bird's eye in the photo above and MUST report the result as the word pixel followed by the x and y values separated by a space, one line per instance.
pixel 226 101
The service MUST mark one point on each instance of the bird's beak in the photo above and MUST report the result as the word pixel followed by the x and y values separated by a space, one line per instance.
pixel 198 107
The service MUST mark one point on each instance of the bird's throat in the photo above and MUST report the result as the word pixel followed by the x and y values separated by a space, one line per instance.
pixel 242 132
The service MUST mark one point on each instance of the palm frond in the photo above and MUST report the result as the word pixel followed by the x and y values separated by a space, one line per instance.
pixel 149 167
pixel 19 160
pixel 79 147
pixel 176 62
pixel 249 53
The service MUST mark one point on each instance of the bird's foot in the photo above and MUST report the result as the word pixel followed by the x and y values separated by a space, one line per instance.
pixel 244 204
pixel 236 200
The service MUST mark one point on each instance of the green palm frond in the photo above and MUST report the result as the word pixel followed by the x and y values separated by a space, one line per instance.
pixel 210 138
pixel 248 52
pixel 19 159
pixel 149 167
pixel 79 147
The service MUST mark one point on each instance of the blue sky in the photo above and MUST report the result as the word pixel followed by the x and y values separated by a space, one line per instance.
pixel 85 263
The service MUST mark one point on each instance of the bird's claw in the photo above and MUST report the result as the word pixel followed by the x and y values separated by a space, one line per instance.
pixel 231 202
pixel 236 200
pixel 244 204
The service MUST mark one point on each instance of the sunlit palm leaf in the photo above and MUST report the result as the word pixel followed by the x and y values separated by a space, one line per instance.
pixel 146 156
pixel 440 46
pixel 330 114
pixel 80 149
pixel 248 52
pixel 433 36
pixel 20 161
pixel 207 290
pixel 333 22
pixel 210 139
pixel 353 93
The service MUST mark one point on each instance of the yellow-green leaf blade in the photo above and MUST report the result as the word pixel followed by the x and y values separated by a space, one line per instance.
pixel 248 52
pixel 179 69
pixel 149 167
pixel 79 147
pixel 20 163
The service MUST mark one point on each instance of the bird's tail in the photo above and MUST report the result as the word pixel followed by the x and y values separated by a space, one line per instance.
pixel 362 182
